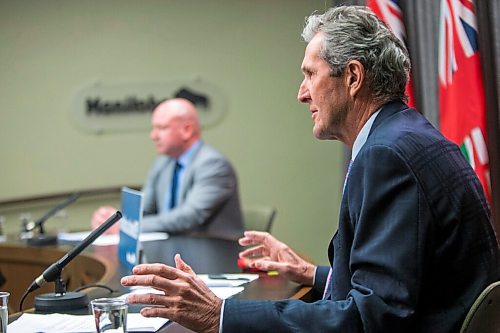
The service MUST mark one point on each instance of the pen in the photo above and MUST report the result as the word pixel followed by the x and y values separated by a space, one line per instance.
pixel 224 277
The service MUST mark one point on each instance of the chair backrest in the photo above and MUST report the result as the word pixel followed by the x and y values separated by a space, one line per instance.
pixel 259 218
pixel 484 314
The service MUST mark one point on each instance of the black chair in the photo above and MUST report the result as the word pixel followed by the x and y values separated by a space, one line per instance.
pixel 484 314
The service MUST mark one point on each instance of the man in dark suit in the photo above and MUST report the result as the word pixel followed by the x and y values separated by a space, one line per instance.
pixel 414 245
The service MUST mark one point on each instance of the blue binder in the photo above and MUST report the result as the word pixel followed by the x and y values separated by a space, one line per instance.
pixel 130 227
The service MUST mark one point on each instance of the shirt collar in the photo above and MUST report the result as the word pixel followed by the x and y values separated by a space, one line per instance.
pixel 188 155
pixel 363 135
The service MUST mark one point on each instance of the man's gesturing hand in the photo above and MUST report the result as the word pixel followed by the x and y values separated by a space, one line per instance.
pixel 273 255
pixel 187 299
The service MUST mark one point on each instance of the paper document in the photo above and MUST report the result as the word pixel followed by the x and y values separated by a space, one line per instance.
pixel 221 292
pixel 104 240
pixel 64 323
pixel 225 292
pixel 227 280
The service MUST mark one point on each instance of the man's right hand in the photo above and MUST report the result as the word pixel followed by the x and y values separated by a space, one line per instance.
pixel 101 215
pixel 273 255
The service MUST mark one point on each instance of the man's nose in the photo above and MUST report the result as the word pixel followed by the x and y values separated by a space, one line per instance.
pixel 303 95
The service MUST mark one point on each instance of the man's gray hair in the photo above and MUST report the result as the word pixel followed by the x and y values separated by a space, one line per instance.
pixel 356 33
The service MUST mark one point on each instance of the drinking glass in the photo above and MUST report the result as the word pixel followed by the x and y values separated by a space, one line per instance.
pixel 4 312
pixel 110 315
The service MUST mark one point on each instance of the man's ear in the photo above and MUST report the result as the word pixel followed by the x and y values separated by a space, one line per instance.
pixel 187 130
pixel 354 77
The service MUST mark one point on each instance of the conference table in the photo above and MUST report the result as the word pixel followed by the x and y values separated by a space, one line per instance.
pixel 21 264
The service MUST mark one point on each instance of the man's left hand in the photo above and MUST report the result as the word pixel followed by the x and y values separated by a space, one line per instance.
pixel 187 300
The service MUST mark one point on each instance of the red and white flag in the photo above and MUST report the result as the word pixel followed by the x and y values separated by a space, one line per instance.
pixel 390 12
pixel 461 90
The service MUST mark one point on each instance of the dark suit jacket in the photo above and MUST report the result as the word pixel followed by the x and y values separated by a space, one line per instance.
pixel 209 202
pixel 414 245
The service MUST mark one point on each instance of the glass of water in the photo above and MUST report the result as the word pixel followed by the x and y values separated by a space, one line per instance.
pixel 110 315
pixel 4 312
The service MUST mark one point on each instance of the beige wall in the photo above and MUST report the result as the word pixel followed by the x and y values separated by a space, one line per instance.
pixel 251 49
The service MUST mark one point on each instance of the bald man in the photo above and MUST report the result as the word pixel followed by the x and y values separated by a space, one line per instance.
pixel 205 201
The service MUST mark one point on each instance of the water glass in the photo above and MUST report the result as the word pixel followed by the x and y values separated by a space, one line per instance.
pixel 110 315
pixel 4 312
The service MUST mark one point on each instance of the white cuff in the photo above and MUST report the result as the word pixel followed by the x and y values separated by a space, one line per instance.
pixel 221 315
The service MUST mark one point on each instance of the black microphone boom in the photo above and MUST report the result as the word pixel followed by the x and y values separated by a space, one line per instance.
pixel 53 273
pixel 42 238
pixel 39 223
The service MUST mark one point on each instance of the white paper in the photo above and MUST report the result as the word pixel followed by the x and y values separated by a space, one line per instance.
pixel 228 280
pixel 64 323
pixel 221 292
pixel 225 292
pixel 113 239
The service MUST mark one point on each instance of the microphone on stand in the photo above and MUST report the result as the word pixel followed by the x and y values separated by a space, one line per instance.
pixel 42 238
pixel 61 300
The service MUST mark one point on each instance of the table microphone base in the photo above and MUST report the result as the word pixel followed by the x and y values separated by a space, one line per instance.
pixel 58 303
pixel 42 240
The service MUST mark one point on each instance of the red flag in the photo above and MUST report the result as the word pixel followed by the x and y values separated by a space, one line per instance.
pixel 461 91
pixel 390 12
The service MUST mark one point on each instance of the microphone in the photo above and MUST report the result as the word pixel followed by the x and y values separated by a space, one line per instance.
pixel 60 300
pixel 42 238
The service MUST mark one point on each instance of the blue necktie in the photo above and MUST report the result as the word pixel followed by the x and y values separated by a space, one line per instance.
pixel 174 185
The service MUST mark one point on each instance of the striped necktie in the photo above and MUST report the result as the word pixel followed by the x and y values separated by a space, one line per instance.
pixel 174 185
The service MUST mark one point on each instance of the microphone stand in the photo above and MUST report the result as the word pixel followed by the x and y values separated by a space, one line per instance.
pixel 61 300
pixel 43 239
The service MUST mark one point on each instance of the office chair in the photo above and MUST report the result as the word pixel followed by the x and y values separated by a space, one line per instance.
pixel 259 218
pixel 483 316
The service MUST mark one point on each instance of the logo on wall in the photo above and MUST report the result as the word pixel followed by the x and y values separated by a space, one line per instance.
pixel 113 107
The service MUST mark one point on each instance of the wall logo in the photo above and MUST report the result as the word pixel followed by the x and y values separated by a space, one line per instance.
pixel 113 107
